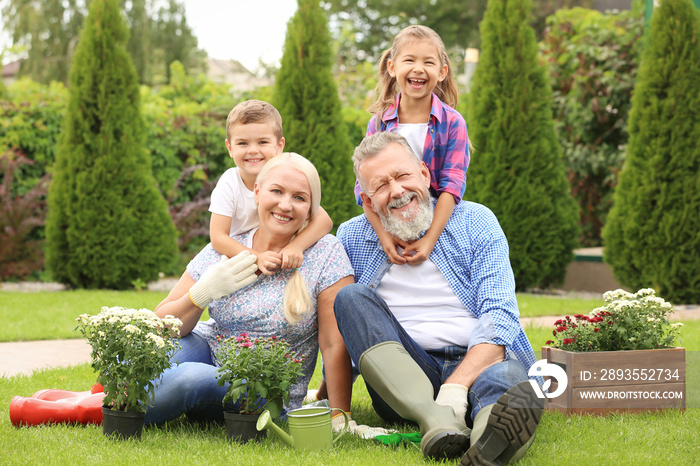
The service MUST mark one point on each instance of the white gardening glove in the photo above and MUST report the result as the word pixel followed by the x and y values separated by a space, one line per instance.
pixel 454 395
pixel 224 278
pixel 362 431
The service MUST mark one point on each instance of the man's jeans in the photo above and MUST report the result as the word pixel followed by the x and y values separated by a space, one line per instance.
pixel 188 388
pixel 364 320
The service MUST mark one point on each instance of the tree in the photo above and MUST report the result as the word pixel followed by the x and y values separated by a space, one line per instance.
pixel 108 224
pixel 49 29
pixel 307 98
pixel 651 235
pixel 376 22
pixel 517 168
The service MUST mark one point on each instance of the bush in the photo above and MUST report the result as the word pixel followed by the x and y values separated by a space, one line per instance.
pixel 593 59
pixel 20 216
pixel 31 122
pixel 651 236
pixel 307 98
pixel 108 225
pixel 517 169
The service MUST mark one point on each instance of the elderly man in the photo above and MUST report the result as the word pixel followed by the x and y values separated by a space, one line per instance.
pixel 447 326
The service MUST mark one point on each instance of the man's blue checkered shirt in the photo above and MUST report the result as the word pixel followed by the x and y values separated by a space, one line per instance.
pixel 472 253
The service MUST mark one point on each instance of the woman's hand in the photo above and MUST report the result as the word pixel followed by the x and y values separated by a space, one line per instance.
pixel 224 278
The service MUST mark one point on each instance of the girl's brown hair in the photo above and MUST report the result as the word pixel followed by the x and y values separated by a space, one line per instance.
pixel 386 89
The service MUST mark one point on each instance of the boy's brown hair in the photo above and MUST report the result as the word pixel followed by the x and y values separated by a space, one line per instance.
pixel 254 111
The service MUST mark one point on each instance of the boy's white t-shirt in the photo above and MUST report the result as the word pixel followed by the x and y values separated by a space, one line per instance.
pixel 415 134
pixel 232 199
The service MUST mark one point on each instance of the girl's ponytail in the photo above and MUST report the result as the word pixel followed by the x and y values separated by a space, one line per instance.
pixel 447 90
pixel 386 88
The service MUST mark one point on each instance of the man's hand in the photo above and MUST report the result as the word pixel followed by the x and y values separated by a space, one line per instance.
pixel 454 395
pixel 224 278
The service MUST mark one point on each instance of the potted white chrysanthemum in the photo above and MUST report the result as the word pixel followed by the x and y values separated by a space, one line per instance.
pixel 130 350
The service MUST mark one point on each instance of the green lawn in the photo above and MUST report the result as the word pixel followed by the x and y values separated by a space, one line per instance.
pixel 668 438
pixel 51 315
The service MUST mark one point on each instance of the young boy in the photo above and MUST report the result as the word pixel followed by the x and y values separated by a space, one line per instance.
pixel 254 136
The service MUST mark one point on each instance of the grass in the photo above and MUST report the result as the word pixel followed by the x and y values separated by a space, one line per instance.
pixel 48 315
pixel 668 438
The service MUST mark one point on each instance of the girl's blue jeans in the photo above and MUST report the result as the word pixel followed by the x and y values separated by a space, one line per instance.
pixel 365 320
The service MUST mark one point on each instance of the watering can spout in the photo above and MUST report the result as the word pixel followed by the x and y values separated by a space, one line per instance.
pixel 265 422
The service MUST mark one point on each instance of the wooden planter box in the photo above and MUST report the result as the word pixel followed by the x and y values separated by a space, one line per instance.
pixel 618 381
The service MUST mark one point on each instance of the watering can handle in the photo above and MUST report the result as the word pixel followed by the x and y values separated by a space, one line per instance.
pixel 345 428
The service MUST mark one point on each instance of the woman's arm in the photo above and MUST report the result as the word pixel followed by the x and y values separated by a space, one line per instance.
pixel 335 356
pixel 188 299
pixel 178 304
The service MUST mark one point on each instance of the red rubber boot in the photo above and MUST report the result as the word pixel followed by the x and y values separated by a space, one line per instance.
pixel 51 394
pixel 33 411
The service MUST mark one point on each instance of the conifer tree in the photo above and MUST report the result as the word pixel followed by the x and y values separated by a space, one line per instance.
pixel 307 98
pixel 651 235
pixel 517 168
pixel 108 224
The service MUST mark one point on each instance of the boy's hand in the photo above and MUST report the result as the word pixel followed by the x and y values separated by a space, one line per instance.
pixel 418 251
pixel 292 257
pixel 389 244
pixel 269 262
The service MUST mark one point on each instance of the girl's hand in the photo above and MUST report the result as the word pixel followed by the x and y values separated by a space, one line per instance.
pixel 292 257
pixel 269 262
pixel 389 244
pixel 418 251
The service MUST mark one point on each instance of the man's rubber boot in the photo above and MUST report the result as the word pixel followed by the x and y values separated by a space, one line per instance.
pixel 33 412
pixel 504 431
pixel 401 383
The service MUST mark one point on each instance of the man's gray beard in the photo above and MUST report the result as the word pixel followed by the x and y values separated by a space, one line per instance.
pixel 408 230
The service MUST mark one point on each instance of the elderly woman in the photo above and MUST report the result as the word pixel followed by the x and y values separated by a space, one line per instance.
pixel 296 305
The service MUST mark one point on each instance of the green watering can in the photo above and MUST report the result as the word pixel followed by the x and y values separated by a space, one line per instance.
pixel 309 428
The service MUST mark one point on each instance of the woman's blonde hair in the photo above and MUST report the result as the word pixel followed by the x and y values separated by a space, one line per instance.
pixel 387 88
pixel 297 301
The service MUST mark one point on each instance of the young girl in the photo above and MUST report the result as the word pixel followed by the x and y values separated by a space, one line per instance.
pixel 417 94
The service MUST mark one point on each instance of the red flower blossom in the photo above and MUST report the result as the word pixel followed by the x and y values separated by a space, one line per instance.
pixel 549 342
pixel 561 329
pixel 567 341
pixel 596 329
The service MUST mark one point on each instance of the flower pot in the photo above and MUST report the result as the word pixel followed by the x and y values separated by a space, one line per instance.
pixel 605 382
pixel 241 427
pixel 122 424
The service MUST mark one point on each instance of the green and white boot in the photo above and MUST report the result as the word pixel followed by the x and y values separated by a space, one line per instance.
pixel 402 384
pixel 504 431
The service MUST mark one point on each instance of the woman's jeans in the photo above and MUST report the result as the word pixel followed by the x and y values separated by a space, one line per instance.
pixel 364 320
pixel 188 388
